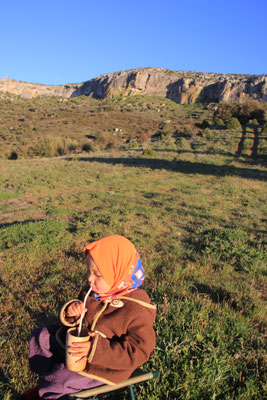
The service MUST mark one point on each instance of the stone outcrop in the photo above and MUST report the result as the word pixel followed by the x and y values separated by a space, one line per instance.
pixel 180 86
pixel 31 90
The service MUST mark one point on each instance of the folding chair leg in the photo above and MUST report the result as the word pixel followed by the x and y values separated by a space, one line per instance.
pixel 131 392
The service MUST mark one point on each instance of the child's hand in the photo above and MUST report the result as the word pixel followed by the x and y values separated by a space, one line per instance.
pixel 75 309
pixel 82 349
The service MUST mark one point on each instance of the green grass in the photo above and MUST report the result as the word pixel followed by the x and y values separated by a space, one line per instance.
pixel 196 214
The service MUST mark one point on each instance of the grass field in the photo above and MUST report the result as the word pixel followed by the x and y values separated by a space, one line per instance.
pixel 197 216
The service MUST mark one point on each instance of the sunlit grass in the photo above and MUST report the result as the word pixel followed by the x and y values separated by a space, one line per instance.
pixel 198 221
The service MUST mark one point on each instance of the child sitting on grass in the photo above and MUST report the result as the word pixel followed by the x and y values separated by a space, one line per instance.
pixel 118 315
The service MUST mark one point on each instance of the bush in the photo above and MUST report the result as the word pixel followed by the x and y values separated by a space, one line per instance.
pixel 45 147
pixel 71 144
pixel 60 148
pixel 13 155
pixel 264 128
pixel 112 142
pixel 233 123
pixel 52 147
pixel 187 132
pixel 224 112
pixel 187 129
pixel 159 135
pixel 219 122
pixel 204 124
pixel 148 153
pixel 134 145
pixel 87 147
pixel 207 132
pixel 254 122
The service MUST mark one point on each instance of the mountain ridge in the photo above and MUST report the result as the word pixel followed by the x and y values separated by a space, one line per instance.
pixel 183 87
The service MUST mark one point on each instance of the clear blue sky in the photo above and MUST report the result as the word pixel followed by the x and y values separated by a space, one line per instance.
pixel 70 41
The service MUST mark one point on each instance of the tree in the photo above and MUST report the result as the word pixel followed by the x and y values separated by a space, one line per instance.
pixel 243 112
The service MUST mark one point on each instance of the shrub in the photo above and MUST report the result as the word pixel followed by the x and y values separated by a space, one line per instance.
pixel 254 122
pixel 187 132
pixel 71 144
pixel 112 142
pixel 134 145
pixel 49 147
pixel 264 128
pixel 44 148
pixel 159 135
pixel 187 129
pixel 224 112
pixel 87 147
pixel 207 132
pixel 219 122
pixel 75 158
pixel 60 148
pixel 148 153
pixel 13 155
pixel 204 124
pixel 233 123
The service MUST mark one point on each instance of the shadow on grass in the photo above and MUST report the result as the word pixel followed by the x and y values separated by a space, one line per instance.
pixel 180 151
pixel 26 221
pixel 40 318
pixel 5 381
pixel 217 295
pixel 261 159
pixel 185 167
pixel 261 231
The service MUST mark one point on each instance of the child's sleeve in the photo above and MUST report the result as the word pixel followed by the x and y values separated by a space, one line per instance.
pixel 72 321
pixel 129 351
pixel 68 321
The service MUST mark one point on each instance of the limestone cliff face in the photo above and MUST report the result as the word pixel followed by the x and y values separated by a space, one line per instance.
pixel 31 90
pixel 179 86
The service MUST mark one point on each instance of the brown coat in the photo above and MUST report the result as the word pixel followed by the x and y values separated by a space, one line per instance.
pixel 124 336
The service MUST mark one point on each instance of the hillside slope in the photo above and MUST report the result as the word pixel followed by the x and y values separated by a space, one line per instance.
pixel 180 86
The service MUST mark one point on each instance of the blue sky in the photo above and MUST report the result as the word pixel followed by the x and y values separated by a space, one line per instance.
pixel 62 41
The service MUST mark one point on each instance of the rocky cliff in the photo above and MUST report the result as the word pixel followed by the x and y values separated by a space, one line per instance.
pixel 180 86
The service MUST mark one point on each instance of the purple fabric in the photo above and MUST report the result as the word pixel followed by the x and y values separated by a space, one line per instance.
pixel 46 358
